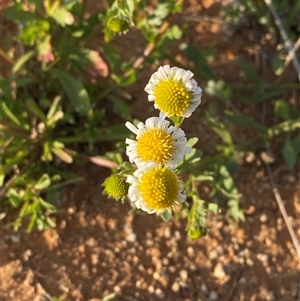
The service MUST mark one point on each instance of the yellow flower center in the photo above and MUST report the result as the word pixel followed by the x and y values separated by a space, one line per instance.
pixel 155 145
pixel 172 98
pixel 159 188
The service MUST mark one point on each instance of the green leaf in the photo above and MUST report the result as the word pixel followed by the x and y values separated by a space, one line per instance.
pixel 244 120
pixel 22 60
pixel 47 155
pixel 32 222
pixel 2 177
pixel 220 129
pixel 285 111
pixel 34 108
pixel 166 215
pixel 277 64
pixel 43 182
pixel 296 143
pixel 78 95
pixel 62 155
pixel 9 113
pixel 14 197
pixel 213 208
pixel 234 210
pixel 228 184
pixel 198 58
pixel 49 207
pixel 109 297
pixel 122 107
pixel 259 96
pixel 17 13
pixel 204 178
pixel 289 153
pixel 248 70
pixel 63 17
pixel 286 126
pixel 192 141
pixel 54 107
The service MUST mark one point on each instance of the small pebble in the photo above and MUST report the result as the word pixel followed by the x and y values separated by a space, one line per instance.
pixel 117 289
pixel 175 287
pixel 131 237
pixel 219 271
pixel 190 251
pixel 150 289
pixel 183 275
pixel 159 293
pixel 262 257
pixel 213 254
pixel 203 288
pixel 167 233
pixel 263 218
pixel 213 295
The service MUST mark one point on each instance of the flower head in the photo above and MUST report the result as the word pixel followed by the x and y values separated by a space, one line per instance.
pixel 116 187
pixel 173 91
pixel 156 142
pixel 155 188
pixel 118 24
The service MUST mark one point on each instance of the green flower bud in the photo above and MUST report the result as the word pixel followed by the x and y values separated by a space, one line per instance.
pixel 118 24
pixel 116 187
pixel 195 234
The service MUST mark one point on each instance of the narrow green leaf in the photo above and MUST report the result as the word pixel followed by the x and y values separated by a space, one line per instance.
pixel 259 96
pixel 50 208
pixel 47 155
pixel 204 178
pixel 2 177
pixel 277 64
pixel 32 222
pixel 244 120
pixel 54 107
pixel 43 182
pixel 14 197
pixel 62 155
pixel 9 113
pixel 248 70
pixel 17 13
pixel 78 95
pixel 220 129
pixel 289 153
pixel 109 297
pixel 34 108
pixel 296 143
pixel 22 60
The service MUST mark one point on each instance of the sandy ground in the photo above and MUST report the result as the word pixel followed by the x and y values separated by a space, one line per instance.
pixel 98 249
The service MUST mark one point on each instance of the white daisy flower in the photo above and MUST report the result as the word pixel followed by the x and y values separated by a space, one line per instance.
pixel 173 91
pixel 154 188
pixel 156 141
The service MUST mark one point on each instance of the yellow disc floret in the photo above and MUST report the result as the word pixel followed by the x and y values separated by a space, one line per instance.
pixel 172 97
pixel 116 187
pixel 155 145
pixel 159 188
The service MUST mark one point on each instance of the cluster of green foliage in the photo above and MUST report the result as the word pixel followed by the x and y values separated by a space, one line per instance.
pixel 60 94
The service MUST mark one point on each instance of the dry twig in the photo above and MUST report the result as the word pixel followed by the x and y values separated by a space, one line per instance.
pixel 287 43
